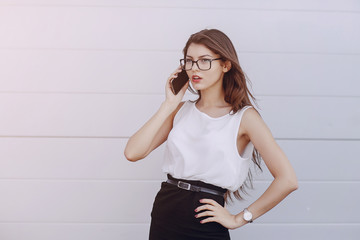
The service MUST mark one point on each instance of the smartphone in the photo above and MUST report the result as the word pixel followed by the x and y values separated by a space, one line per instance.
pixel 178 83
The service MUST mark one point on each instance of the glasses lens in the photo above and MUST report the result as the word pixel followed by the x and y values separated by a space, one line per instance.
pixel 186 64
pixel 204 64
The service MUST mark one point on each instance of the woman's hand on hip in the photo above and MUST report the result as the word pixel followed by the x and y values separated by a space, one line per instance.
pixel 217 213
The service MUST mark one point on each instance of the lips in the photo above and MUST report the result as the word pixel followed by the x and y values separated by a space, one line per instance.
pixel 195 78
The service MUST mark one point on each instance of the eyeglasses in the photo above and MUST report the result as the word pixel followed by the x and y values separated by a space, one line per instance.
pixel 202 64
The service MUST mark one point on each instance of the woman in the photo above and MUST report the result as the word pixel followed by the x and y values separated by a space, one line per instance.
pixel 210 144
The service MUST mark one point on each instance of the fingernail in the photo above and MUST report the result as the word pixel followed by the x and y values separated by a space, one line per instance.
pixel 196 210
pixel 196 215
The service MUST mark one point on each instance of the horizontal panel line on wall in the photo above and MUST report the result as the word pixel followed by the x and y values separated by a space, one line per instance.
pixel 77 223
pixel 175 51
pixel 319 139
pixel 125 137
pixel 159 94
pixel 234 8
pixel 99 137
pixel 146 223
pixel 78 93
pixel 155 181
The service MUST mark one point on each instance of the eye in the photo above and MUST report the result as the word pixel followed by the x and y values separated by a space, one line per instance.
pixel 204 60
pixel 188 60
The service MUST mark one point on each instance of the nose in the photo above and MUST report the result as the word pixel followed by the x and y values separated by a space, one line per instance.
pixel 195 65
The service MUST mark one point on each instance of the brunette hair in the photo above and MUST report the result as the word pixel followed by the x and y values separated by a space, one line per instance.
pixel 237 93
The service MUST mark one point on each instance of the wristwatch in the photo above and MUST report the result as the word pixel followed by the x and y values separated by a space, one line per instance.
pixel 247 215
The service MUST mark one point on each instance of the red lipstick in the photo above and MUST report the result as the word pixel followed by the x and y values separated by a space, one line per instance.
pixel 195 78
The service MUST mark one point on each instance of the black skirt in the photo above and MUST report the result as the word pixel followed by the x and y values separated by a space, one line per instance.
pixel 173 214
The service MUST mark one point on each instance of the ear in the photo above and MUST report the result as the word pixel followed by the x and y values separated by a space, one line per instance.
pixel 227 66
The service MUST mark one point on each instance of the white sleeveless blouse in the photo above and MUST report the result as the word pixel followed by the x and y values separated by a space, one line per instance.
pixel 200 147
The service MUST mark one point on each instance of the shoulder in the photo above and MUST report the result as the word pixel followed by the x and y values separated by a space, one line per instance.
pixel 250 114
pixel 250 120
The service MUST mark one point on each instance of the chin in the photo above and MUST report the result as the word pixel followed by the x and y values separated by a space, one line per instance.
pixel 197 87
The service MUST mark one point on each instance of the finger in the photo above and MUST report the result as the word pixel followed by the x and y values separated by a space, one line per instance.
pixel 174 75
pixel 210 219
pixel 204 214
pixel 171 77
pixel 209 201
pixel 205 207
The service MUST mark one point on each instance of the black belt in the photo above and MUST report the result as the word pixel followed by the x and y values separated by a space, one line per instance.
pixel 190 187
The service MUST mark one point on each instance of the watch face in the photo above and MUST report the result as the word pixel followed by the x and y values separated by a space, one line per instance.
pixel 247 215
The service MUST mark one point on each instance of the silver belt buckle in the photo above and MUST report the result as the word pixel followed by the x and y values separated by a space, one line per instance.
pixel 184 185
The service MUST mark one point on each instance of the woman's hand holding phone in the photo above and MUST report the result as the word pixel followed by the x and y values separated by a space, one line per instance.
pixel 156 129
pixel 171 98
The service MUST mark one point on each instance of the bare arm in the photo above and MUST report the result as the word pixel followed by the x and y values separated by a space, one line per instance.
pixel 155 130
pixel 285 180
pixel 152 134
pixel 283 184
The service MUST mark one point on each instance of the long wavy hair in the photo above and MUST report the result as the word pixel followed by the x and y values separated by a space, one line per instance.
pixel 235 81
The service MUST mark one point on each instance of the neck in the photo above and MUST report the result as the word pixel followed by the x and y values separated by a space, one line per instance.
pixel 212 98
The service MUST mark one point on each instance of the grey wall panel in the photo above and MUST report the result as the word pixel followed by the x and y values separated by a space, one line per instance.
pixel 320 160
pixel 312 117
pixel 76 201
pixel 108 71
pixel 313 202
pixel 297 231
pixel 89 27
pixel 114 115
pixel 75 114
pixel 111 71
pixel 140 231
pixel 73 231
pixel 260 5
pixel 97 231
pixel 102 158
pixel 302 74
pixel 79 158
pixel 108 201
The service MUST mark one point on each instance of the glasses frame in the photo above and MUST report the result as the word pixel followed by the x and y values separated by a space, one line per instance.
pixel 192 64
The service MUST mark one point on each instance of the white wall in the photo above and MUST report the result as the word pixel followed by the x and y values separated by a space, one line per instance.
pixel 77 78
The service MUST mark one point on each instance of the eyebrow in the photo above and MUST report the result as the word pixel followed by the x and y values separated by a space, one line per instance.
pixel 200 56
